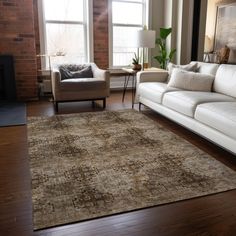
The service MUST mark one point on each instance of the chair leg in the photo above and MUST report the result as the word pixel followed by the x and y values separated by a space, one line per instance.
pixel 93 103
pixel 139 106
pixel 104 103
pixel 56 106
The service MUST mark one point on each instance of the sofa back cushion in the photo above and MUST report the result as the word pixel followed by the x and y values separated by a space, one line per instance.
pixel 225 80
pixel 191 81
pixel 188 67
pixel 207 68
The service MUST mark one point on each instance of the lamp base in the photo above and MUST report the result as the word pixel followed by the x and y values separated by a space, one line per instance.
pixel 145 65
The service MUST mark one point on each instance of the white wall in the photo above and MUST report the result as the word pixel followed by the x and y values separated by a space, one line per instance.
pixel 157 21
pixel 179 16
pixel 211 18
pixel 186 31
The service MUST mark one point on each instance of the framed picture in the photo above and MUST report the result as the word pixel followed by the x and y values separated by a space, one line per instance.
pixel 225 33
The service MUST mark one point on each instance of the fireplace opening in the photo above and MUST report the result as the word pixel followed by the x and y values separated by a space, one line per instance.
pixel 2 93
pixel 7 78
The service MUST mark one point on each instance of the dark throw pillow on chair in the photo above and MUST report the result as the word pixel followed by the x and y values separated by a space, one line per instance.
pixel 84 73
pixel 65 73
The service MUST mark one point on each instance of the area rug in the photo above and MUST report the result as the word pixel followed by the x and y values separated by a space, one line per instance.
pixel 97 164
pixel 12 113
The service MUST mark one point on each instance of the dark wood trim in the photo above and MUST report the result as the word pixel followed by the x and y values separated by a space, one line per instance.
pixel 195 33
pixel 104 103
pixel 56 106
pixel 56 103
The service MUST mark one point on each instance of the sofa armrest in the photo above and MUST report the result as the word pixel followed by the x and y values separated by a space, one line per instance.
pixel 152 76
pixel 149 76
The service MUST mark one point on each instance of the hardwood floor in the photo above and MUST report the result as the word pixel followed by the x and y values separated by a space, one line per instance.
pixel 210 215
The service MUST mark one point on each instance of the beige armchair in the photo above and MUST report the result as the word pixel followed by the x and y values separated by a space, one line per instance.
pixel 95 85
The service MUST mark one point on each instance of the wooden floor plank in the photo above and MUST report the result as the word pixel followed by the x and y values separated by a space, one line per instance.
pixel 209 215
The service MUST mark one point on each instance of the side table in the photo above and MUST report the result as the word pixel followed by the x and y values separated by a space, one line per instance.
pixel 130 73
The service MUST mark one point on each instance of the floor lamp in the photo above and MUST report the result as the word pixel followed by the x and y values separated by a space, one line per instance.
pixel 145 39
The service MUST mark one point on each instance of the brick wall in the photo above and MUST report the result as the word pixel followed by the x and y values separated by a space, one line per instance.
pixel 17 38
pixel 36 32
pixel 101 37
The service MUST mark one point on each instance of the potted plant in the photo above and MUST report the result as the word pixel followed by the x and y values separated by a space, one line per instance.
pixel 164 57
pixel 136 65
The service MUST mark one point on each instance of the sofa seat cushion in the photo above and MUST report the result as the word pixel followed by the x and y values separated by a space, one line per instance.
pixel 218 115
pixel 80 84
pixel 186 102
pixel 154 91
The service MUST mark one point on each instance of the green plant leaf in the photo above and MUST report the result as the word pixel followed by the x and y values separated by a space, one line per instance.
pixel 158 41
pixel 159 59
pixel 172 52
pixel 163 57
pixel 164 32
pixel 164 54
pixel 135 59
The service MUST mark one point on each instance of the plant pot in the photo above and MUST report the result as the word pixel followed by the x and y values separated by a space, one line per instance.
pixel 137 67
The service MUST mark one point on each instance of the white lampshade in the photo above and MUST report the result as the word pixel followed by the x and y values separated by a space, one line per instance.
pixel 146 38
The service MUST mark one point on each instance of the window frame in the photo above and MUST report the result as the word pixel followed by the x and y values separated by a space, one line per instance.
pixel 145 21
pixel 87 26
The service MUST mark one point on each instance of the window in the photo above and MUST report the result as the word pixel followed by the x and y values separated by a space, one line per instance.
pixel 65 35
pixel 127 16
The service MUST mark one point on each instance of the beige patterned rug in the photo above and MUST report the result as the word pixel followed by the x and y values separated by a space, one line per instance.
pixel 90 165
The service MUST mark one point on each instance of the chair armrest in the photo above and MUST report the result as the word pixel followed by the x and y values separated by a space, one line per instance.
pixel 56 80
pixel 102 74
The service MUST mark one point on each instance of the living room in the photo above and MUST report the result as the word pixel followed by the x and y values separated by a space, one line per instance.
pixel 103 165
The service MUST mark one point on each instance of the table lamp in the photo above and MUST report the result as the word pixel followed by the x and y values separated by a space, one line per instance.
pixel 208 48
pixel 145 39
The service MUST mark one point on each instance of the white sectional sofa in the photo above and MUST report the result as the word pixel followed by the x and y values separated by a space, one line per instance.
pixel 210 114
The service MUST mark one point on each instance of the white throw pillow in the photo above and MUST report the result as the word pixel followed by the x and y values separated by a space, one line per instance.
pixel 193 66
pixel 191 81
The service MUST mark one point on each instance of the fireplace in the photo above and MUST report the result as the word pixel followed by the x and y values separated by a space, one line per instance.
pixel 7 78
pixel 2 85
